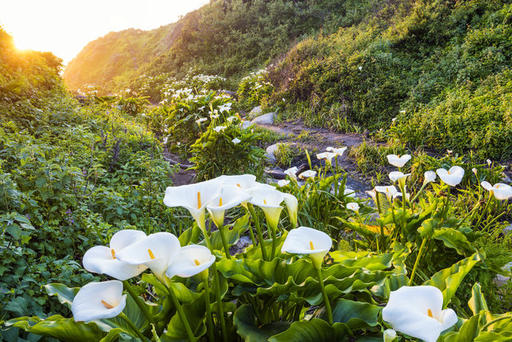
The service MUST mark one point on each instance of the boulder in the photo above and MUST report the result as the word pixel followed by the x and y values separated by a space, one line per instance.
pixel 265 119
pixel 256 111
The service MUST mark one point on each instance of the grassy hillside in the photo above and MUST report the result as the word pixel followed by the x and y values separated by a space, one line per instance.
pixel 228 38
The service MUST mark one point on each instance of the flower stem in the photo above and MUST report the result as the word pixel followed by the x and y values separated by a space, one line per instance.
pixel 224 241
pixel 220 309
pixel 182 315
pixel 258 230
pixel 138 301
pixel 326 298
pixel 417 260
pixel 209 320
pixel 274 240
pixel 133 327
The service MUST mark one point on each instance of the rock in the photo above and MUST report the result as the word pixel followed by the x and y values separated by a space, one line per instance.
pixel 270 152
pixel 240 245
pixel 275 173
pixel 265 119
pixel 256 111
pixel 501 280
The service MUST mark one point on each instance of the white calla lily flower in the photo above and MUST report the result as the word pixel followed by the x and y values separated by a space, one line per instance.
pixel 307 174
pixel 193 197
pixel 349 193
pixel 292 207
pixel 501 191
pixel 283 182
pixel 418 312
pixel 390 191
pixel 397 176
pixel 229 197
pixel 429 177
pixel 453 176
pixel 156 251
pixel 338 152
pixel 189 261
pixel 327 156
pixel 269 200
pixel 397 160
pixel 98 300
pixel 353 206
pixel 305 240
pixel 292 172
pixel 103 260
pixel 236 141
pixel 243 182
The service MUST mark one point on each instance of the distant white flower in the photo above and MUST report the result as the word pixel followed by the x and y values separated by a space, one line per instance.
pixel 397 175
pixel 283 182
pixel 500 191
pixel 429 176
pixel 453 176
pixel 292 172
pixel 397 160
pixel 337 151
pixel 393 120
pixel 231 118
pixel 353 206
pixel 236 141
pixel 327 156
pixel 219 128
pixel 307 174
pixel 349 192
pixel 199 121
pixel 389 191
pixel 475 171
pixel 418 312
pixel 360 68
pixel 489 162
pixel 214 116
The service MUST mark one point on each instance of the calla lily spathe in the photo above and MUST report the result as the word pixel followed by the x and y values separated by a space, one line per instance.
pixel 292 172
pixel 243 182
pixel 337 151
pixel 269 200
pixel 104 260
pixel 292 207
pixel 327 156
pixel 500 191
pixel 428 177
pixel 397 176
pixel 156 251
pixel 98 300
pixel 193 197
pixel 307 174
pixel 305 240
pixel 283 182
pixel 390 191
pixel 397 160
pixel 229 197
pixel 353 206
pixel 453 176
pixel 418 311
pixel 190 260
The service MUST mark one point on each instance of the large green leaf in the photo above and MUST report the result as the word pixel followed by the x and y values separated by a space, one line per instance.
pixel 449 279
pixel 356 315
pixel 315 330
pixel 246 326
pixel 195 314
pixel 64 329
pixel 477 302
pixel 231 232
pixel 64 294
pixel 454 239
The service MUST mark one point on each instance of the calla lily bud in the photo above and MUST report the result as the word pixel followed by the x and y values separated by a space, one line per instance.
pixel 98 300
pixel 389 335
pixel 305 240
pixel 292 206
pixel 428 177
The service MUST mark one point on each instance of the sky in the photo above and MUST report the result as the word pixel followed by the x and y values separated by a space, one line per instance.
pixel 64 27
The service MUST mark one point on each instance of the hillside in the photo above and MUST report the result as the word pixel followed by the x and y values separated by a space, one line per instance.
pixel 228 38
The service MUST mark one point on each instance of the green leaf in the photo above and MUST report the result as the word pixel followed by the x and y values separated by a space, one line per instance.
pixel 64 329
pixel 449 279
pixel 190 235
pixel 477 301
pixel 246 326
pixel 356 315
pixel 64 294
pixel 315 330
pixel 452 238
pixel 195 313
